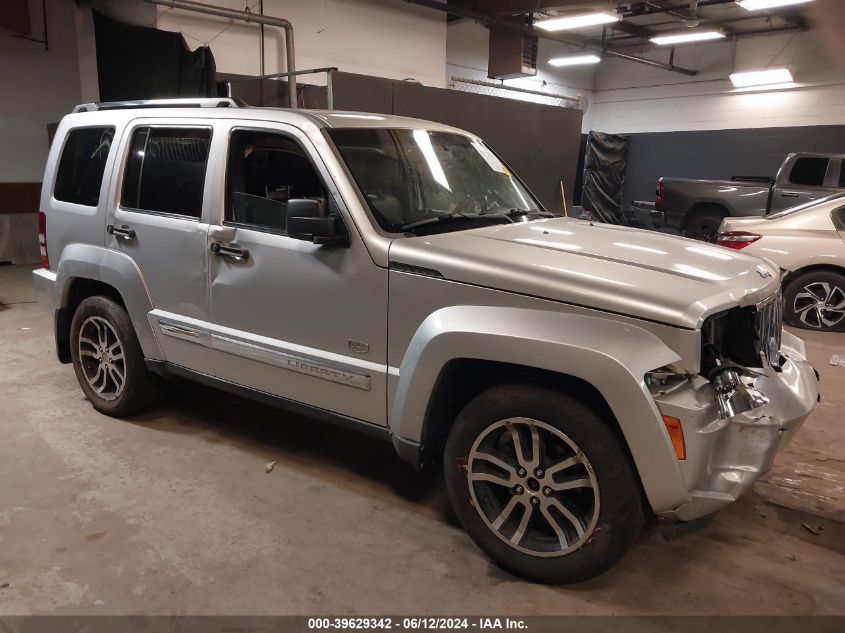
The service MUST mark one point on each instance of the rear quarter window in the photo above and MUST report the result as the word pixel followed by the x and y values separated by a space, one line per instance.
pixel 83 161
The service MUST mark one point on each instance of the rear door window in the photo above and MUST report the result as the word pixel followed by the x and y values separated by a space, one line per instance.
pixel 80 174
pixel 165 170
pixel 809 171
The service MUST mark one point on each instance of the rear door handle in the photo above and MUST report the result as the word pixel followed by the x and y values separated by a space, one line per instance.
pixel 230 250
pixel 123 232
pixel 788 194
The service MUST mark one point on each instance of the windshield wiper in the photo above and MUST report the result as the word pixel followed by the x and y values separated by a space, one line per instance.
pixel 517 213
pixel 444 217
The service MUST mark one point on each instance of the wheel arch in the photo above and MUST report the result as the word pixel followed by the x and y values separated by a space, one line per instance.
pixel 812 268
pixel 85 271
pixel 462 379
pixel 76 290
pixel 601 360
pixel 702 206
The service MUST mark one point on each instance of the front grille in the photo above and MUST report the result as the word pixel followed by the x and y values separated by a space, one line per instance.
pixel 769 327
pixel 744 336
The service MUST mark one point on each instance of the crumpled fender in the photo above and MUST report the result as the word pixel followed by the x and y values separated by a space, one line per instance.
pixel 610 355
pixel 115 269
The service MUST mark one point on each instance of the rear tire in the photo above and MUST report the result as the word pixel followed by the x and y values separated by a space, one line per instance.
pixel 566 514
pixel 108 360
pixel 815 300
pixel 704 223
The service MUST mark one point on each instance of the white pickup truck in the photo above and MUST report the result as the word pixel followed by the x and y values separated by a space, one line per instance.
pixel 697 207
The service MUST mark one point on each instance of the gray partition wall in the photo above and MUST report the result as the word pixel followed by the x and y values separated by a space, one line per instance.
pixel 720 154
pixel 540 142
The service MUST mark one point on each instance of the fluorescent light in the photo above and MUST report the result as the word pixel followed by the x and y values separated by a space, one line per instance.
pixel 761 77
pixel 758 5
pixel 684 38
pixel 576 21
pixel 575 60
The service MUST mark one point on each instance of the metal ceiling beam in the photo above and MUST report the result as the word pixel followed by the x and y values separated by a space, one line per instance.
pixel 513 7
pixel 488 20
pixel 631 42
pixel 653 8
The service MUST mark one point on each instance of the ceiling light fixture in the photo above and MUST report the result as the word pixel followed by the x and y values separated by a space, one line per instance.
pixel 575 60
pixel 566 23
pixel 685 38
pixel 759 5
pixel 761 77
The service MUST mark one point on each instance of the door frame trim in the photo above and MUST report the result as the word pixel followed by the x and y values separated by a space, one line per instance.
pixel 344 370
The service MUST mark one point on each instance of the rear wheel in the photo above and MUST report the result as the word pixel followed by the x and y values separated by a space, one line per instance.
pixel 108 360
pixel 704 223
pixel 542 484
pixel 816 301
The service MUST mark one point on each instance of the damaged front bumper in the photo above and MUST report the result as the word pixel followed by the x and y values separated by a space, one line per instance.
pixel 726 455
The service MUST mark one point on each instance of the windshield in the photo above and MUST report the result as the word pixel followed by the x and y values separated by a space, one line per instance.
pixel 413 177
pixel 806 205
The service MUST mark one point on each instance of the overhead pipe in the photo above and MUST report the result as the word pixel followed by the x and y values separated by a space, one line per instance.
pixel 540 93
pixel 248 17
pixel 528 30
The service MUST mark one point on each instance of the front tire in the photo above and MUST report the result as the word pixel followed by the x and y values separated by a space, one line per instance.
pixel 108 360
pixel 816 301
pixel 542 484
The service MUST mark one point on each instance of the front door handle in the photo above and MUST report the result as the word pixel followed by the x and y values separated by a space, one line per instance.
pixel 122 232
pixel 788 194
pixel 230 250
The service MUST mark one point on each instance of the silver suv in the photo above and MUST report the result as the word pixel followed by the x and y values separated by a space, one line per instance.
pixel 395 275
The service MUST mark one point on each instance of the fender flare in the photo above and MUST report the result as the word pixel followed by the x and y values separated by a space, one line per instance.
pixel 610 355
pixel 83 261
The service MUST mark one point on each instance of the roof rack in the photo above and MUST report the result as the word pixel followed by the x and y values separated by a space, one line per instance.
pixel 222 102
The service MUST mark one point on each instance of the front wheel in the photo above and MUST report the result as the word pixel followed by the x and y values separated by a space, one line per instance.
pixel 541 484
pixel 816 301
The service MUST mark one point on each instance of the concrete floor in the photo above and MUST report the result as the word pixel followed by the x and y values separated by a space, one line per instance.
pixel 173 513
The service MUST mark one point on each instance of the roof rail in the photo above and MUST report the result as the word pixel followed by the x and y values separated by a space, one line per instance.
pixel 215 102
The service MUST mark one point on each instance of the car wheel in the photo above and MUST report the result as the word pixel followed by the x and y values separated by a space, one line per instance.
pixel 541 483
pixel 816 301
pixel 704 225
pixel 108 360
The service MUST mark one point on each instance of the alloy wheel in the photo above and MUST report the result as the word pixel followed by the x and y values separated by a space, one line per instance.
pixel 101 357
pixel 533 487
pixel 820 305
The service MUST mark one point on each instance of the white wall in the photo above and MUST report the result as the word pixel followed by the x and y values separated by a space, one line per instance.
pixel 467 47
pixel 636 98
pixel 36 87
pixel 624 97
pixel 384 38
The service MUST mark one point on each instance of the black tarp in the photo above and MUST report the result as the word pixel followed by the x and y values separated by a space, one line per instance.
pixel 138 62
pixel 604 176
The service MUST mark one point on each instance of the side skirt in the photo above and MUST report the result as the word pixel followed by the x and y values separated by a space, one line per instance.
pixel 165 370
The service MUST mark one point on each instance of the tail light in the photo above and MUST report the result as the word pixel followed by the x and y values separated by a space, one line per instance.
pixel 737 240
pixel 661 193
pixel 42 239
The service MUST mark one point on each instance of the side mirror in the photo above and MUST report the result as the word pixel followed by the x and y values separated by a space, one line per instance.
pixel 307 220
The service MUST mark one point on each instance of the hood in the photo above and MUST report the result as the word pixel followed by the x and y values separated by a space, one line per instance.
pixel 639 273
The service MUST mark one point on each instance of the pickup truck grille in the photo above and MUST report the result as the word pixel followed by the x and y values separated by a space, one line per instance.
pixel 744 335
